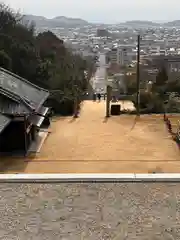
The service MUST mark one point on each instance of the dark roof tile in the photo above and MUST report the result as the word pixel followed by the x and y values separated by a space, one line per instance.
pixel 8 106
pixel 25 90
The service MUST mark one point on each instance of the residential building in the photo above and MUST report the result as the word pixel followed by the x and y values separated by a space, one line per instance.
pixel 121 55
pixel 171 63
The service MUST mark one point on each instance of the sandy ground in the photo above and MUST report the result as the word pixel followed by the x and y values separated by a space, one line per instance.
pixel 93 144
pixel 91 211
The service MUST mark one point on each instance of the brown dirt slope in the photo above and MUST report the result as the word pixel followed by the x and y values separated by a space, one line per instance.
pixel 92 144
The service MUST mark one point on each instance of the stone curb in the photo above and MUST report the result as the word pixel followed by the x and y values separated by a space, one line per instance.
pixel 58 178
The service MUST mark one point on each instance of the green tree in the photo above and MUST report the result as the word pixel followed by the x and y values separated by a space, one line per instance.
pixel 5 60
pixel 8 19
pixel 43 59
pixel 160 85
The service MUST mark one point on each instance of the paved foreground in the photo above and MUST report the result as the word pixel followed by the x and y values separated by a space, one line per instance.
pixel 92 144
pixel 90 211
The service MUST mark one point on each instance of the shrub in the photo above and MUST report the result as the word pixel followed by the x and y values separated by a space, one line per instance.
pixel 149 103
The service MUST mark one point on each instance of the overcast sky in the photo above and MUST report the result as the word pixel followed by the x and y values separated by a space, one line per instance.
pixel 107 11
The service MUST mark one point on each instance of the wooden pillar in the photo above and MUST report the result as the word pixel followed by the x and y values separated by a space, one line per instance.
pixel 76 108
pixel 25 136
pixel 108 100
pixel 75 102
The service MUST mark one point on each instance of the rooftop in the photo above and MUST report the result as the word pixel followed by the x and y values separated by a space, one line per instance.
pixel 21 89
pixel 17 95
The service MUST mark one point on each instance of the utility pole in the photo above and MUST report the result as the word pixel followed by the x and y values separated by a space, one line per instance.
pixel 138 77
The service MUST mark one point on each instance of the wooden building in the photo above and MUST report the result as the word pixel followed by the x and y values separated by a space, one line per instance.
pixel 22 113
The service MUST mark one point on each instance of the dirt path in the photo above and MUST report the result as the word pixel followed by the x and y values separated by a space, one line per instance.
pixel 91 144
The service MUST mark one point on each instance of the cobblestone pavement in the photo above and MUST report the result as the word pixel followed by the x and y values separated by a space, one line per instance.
pixel 90 211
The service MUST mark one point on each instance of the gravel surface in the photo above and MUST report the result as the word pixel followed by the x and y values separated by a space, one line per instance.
pixel 90 211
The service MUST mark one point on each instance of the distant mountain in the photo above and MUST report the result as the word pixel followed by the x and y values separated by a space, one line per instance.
pixel 34 18
pixel 140 23
pixel 66 22
pixel 59 21
pixel 175 23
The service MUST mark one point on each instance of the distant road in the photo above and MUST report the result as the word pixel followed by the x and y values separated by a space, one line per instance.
pixel 99 80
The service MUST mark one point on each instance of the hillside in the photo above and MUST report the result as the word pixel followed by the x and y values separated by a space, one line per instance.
pixel 60 21
pixel 141 23
pixel 136 23
pixel 174 23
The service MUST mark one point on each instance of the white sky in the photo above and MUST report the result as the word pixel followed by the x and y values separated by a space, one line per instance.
pixel 107 11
